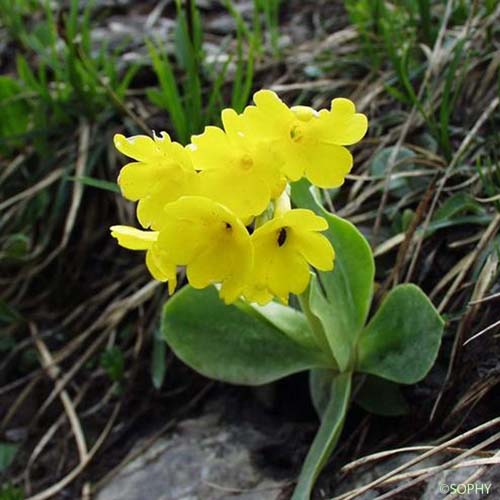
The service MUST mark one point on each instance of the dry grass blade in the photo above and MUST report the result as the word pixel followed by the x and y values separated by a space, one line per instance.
pixel 441 184
pixel 26 391
pixel 477 474
pixel 482 332
pixel 434 62
pixel 110 318
pixel 447 465
pixel 39 186
pixel 483 283
pixel 429 471
pixel 393 277
pixel 486 299
pixel 81 162
pixel 54 373
pixel 437 449
pixel 12 166
pixel 71 476
pixel 430 93
pixel 360 462
pixel 448 277
pixel 471 258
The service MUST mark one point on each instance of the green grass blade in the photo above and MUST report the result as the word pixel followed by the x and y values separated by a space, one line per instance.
pixel 97 183
pixel 171 95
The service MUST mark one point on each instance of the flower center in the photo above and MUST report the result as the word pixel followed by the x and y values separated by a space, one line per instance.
pixel 246 162
pixel 282 236
pixel 296 133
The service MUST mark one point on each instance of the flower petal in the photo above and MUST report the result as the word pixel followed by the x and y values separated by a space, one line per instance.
pixel 138 147
pixel 315 248
pixel 242 192
pixel 232 122
pixel 211 149
pixel 328 165
pixel 270 118
pixel 304 220
pixel 163 142
pixel 210 241
pixel 288 273
pixel 278 265
pixel 137 180
pixel 269 100
pixel 208 266
pixel 342 125
pixel 132 238
pixel 174 183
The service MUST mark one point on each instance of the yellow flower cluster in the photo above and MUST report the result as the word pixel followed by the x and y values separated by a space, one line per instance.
pixel 219 206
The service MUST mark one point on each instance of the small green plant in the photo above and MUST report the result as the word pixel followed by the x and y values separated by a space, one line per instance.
pixel 60 76
pixel 253 345
pixel 270 10
pixel 221 208
pixel 7 454
pixel 8 492
pixel 189 105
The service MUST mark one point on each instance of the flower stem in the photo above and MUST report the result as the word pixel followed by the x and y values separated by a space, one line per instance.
pixel 327 437
pixel 316 326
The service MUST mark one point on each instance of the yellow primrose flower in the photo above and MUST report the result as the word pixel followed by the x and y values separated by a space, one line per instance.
pixel 310 143
pixel 162 173
pixel 239 172
pixel 284 248
pixel 160 267
pixel 210 241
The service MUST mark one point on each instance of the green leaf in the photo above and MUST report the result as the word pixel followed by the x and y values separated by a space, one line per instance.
pixel 341 345
pixel 348 288
pixel 402 340
pixel 381 397
pixel 320 382
pixel 7 453
pixel 290 321
pixel 402 162
pixel 158 361
pixel 457 204
pixel 225 343
pixel 327 436
pixel 113 363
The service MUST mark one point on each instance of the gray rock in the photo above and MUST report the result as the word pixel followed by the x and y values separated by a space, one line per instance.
pixel 202 460
pixel 466 482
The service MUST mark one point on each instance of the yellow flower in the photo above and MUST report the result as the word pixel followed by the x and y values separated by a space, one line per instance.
pixel 162 173
pixel 284 248
pixel 160 267
pixel 309 143
pixel 210 241
pixel 242 173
